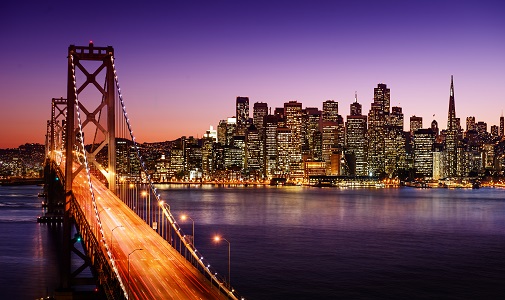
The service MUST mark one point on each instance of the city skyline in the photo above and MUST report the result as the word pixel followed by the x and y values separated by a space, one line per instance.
pixel 173 58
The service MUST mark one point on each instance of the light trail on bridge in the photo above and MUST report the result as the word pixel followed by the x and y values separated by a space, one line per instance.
pixel 156 272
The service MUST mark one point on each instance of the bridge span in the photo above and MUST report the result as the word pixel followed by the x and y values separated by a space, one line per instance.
pixel 131 240
pixel 157 271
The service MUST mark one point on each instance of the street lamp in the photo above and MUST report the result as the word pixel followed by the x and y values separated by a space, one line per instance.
pixel 146 210
pixel 217 238
pixel 184 217
pixel 128 293
pixel 112 236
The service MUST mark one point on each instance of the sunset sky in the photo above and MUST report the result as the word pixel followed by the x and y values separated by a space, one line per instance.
pixel 181 64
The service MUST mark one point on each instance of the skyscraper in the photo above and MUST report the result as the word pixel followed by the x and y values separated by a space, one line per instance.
pixel 254 153
pixel 293 115
pixel 382 96
pixel 501 125
pixel 470 123
pixel 260 110
pixel 270 153
pixel 452 133
pixel 394 142
pixel 330 111
pixel 423 152
pixel 415 124
pixel 377 120
pixel 242 114
pixel 355 140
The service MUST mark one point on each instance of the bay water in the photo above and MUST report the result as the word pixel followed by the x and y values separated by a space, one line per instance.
pixel 302 242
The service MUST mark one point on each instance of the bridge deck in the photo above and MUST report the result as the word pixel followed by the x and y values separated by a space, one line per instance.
pixel 156 272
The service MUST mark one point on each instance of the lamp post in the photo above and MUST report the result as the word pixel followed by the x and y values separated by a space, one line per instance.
pixel 217 238
pixel 184 217
pixel 128 293
pixel 146 210
pixel 112 236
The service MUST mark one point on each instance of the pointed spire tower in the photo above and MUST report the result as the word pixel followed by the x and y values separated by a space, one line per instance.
pixel 451 141
pixel 451 119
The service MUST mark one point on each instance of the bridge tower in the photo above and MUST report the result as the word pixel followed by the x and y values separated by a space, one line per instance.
pixel 55 141
pixel 98 112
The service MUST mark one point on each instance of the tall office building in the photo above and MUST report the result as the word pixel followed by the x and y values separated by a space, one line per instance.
pixel 254 153
pixel 270 156
pixel 377 121
pixel 396 117
pixel 355 106
pixel 501 125
pixel 470 123
pixel 382 97
pixel 494 130
pixel 434 127
pixel 423 152
pixel 284 150
pixel 330 111
pixel 394 142
pixel 293 115
pixel 452 136
pixel 260 110
pixel 310 125
pixel 329 143
pixel 356 140
pixel 415 124
pixel 242 114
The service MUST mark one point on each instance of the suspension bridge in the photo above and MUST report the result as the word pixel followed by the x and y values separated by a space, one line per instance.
pixel 98 185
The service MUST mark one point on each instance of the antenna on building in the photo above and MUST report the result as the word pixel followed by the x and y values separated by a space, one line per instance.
pixel 356 96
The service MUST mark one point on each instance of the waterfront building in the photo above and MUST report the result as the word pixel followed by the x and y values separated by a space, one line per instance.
pixel 377 121
pixel 311 118
pixel 329 143
pixel 176 168
pixel 207 157
pixel 356 141
pixel 270 156
pixel 376 132
pixel 423 152
pixel 439 161
pixel 394 150
pixel 293 116
pixel 254 153
pixel 317 148
pixel 284 149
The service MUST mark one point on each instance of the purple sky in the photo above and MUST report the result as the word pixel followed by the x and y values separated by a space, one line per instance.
pixel 181 64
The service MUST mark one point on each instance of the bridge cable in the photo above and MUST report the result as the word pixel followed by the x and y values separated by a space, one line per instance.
pixel 88 173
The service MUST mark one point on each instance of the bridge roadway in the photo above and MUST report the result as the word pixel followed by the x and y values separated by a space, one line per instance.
pixel 156 272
